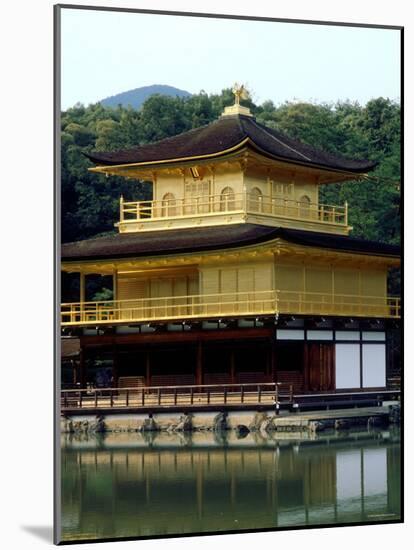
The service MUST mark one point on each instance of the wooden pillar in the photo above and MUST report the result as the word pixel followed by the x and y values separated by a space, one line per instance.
pixel 115 371
pixel 273 361
pixel 154 186
pixel 75 374
pixel 147 369
pixel 121 208
pixel 199 364
pixel 232 367
pixel 115 284
pixel 268 369
pixel 82 293
pixel 82 369
pixel 82 287
pixel 306 366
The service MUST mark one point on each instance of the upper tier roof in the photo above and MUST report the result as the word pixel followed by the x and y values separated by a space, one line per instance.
pixel 202 239
pixel 231 133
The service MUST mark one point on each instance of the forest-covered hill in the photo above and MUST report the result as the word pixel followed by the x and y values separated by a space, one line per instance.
pixel 135 98
pixel 90 202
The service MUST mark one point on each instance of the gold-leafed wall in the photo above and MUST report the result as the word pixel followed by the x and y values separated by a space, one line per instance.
pixel 287 276
pixel 182 184
pixel 330 279
pixel 134 287
pixel 178 182
pixel 231 279
pixel 131 288
pixel 280 184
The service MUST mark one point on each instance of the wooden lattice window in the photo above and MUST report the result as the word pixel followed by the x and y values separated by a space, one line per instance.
pixel 283 190
pixel 197 196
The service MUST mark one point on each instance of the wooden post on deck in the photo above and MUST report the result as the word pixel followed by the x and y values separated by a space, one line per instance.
pixel 199 365
pixel 232 367
pixel 115 369
pixel 75 374
pixel 306 365
pixel 82 373
pixel 268 367
pixel 147 369
pixel 273 361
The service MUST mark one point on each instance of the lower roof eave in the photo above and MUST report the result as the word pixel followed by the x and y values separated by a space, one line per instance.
pixel 181 242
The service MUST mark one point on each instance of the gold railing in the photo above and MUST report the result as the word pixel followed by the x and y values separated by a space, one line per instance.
pixel 213 205
pixel 207 306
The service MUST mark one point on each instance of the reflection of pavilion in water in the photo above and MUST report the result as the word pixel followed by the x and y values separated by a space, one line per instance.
pixel 111 491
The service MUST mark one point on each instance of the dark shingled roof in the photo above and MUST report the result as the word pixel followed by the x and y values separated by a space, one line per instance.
pixel 226 133
pixel 179 241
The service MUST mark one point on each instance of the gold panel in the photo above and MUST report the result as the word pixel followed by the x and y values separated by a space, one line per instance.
pixel 131 288
pixel 346 281
pixel 289 276
pixel 246 279
pixel 318 279
pixel 263 277
pixel 210 281
pixel 374 283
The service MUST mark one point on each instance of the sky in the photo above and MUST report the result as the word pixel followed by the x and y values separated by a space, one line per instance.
pixel 105 53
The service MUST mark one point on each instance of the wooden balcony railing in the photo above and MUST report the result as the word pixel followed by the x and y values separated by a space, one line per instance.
pixel 208 306
pixel 213 205
pixel 205 396
pixel 170 396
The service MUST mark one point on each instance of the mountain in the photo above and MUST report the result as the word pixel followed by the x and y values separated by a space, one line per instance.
pixel 135 98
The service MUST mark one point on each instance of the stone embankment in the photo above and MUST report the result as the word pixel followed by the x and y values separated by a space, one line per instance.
pixel 242 422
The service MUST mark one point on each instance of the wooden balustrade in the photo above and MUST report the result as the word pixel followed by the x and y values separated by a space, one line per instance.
pixel 176 396
pixel 210 205
pixel 208 306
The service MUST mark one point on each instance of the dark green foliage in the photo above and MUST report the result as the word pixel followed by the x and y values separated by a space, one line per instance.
pixel 348 129
pixel 90 203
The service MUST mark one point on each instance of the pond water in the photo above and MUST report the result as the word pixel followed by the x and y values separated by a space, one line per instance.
pixel 139 485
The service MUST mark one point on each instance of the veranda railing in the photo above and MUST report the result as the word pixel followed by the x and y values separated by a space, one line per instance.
pixel 210 205
pixel 204 306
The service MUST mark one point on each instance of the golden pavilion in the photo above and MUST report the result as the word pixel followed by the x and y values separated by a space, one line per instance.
pixel 234 273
